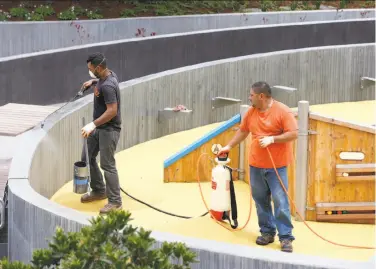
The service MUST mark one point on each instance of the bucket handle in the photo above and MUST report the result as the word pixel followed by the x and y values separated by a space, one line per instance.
pixel 87 154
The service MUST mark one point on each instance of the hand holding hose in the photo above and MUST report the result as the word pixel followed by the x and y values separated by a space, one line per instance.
pixel 266 141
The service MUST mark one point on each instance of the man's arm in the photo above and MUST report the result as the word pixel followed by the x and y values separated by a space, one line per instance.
pixel 290 127
pixel 238 137
pixel 286 137
pixel 110 112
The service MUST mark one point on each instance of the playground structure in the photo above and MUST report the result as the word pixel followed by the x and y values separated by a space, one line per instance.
pixel 32 170
pixel 334 157
pixel 209 89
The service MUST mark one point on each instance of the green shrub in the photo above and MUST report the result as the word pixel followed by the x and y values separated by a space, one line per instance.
pixel 108 243
pixel 45 10
pixel 18 12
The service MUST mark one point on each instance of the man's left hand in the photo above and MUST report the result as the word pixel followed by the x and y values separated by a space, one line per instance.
pixel 86 131
pixel 266 141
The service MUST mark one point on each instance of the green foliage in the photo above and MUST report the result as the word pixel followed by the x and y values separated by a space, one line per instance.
pixel 108 243
pixel 127 13
pixel 45 10
pixel 293 5
pixel 34 17
pixel 4 16
pixel 318 4
pixel 267 5
pixel 19 12
pixel 94 14
pixel 67 14
pixel 343 3
pixel 5 264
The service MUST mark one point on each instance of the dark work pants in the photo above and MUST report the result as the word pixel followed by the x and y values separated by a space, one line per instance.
pixel 105 142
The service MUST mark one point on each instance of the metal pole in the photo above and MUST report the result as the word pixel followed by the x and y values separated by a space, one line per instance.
pixel 243 110
pixel 87 157
pixel 301 178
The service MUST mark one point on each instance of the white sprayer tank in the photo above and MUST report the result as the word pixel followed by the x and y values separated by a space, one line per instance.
pixel 220 195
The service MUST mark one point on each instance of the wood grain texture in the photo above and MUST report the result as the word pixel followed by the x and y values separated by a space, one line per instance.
pixel 186 169
pixel 18 118
pixel 324 149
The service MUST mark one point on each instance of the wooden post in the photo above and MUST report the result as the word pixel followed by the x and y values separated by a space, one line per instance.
pixel 302 160
pixel 243 110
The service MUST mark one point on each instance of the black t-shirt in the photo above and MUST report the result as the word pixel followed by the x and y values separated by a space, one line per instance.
pixel 106 91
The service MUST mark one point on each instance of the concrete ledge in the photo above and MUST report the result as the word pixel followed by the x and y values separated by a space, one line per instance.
pixel 43 162
pixel 132 58
pixel 28 37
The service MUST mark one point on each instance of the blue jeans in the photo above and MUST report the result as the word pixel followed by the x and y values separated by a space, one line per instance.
pixel 265 186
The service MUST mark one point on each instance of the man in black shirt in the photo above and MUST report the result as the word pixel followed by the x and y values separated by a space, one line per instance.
pixel 103 134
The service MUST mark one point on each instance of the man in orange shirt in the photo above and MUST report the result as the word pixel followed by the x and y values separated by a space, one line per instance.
pixel 272 125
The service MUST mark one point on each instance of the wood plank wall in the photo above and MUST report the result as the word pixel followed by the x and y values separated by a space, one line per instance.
pixel 324 149
pixel 186 170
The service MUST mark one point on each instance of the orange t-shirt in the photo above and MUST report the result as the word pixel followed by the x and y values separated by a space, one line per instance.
pixel 276 120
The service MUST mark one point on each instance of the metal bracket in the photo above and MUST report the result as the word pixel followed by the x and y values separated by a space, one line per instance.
pixel 309 132
pixel 169 113
pixel 223 101
pixel 240 171
pixel 366 82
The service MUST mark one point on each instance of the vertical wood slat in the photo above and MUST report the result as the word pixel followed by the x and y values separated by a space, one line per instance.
pixel 185 169
pixel 325 147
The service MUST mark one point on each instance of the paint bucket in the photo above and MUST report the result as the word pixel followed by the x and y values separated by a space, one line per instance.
pixel 80 178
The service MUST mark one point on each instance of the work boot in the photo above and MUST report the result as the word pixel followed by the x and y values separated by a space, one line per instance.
pixel 92 196
pixel 286 245
pixel 265 239
pixel 107 208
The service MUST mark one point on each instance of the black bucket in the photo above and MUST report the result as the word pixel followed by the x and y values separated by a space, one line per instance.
pixel 80 178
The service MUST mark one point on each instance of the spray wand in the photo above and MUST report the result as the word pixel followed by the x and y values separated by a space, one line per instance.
pixel 79 94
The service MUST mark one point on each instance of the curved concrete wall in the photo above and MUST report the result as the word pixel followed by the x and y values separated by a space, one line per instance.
pixel 55 76
pixel 28 37
pixel 44 160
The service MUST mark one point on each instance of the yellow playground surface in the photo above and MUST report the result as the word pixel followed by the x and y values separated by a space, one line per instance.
pixel 141 175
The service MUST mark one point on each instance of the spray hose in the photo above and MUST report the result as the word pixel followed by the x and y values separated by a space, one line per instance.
pixel 250 210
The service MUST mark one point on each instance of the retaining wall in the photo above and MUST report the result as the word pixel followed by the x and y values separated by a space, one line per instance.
pixel 44 160
pixel 55 76
pixel 28 37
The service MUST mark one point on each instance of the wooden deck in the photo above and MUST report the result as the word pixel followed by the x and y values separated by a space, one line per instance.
pixel 18 118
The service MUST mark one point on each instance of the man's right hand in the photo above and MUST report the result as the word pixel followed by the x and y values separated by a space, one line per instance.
pixel 87 84
pixel 225 149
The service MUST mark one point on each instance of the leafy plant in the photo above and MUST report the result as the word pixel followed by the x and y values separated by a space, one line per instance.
pixel 267 5
pixel 94 15
pixel 18 12
pixel 127 13
pixel 318 4
pixel 34 17
pixel 343 3
pixel 4 16
pixel 108 243
pixel 68 14
pixel 293 5
pixel 45 10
